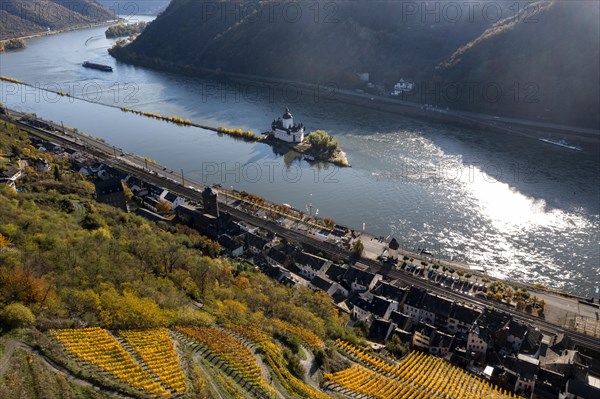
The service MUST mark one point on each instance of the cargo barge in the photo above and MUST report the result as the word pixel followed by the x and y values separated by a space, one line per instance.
pixel 100 67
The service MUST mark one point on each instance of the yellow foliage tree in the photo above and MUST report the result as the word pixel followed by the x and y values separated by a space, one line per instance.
pixel 163 207
pixel 129 311
pixel 3 241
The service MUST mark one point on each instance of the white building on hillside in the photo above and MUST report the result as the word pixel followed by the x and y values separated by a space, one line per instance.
pixel 402 86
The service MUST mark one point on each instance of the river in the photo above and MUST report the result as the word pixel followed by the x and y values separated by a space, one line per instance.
pixel 523 209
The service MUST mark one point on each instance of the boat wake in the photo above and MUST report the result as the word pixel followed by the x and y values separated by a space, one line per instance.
pixel 562 143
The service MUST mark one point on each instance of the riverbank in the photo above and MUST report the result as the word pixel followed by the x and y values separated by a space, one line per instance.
pixel 70 29
pixel 12 44
pixel 327 93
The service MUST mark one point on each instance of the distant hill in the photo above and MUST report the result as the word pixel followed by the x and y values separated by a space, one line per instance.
pixel 347 37
pixel 139 7
pixel 552 44
pixel 27 17
pixel 547 65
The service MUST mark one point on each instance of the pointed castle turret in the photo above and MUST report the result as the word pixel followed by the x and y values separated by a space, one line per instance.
pixel 284 129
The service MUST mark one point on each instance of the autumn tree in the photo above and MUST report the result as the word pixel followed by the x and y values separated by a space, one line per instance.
pixel 233 311
pixel 127 191
pixel 17 285
pixel 358 248
pixel 3 241
pixel 163 207
pixel 129 311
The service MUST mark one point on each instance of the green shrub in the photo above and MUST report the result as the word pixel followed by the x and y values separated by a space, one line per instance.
pixel 17 315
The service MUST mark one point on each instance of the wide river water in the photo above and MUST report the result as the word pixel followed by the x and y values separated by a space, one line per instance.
pixel 523 209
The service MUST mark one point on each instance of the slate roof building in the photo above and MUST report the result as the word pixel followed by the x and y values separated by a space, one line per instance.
pixel 391 291
pixel 381 330
pixel 360 280
pixel 255 243
pixel 328 286
pixel 277 258
pixel 111 192
pixel 336 272
pixel 576 389
pixel 233 247
pixel 462 318
pixel 532 343
pixel 435 309
pixel 516 332
pixel 402 321
pixel 412 303
pixel 311 265
pixel 548 384
pixel 486 332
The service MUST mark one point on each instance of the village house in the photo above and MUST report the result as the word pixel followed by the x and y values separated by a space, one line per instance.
pixel 548 384
pixel 428 338
pixel 515 335
pixel 380 331
pixel 110 191
pixel 360 280
pixel 204 223
pixel 74 155
pixel 255 243
pixel 138 187
pixel 368 307
pixel 172 199
pixel 435 309
pixel 336 272
pixel 412 303
pixel 461 318
pixel 232 247
pixel 526 369
pixel 383 307
pixel 390 290
pixel 577 389
pixel 330 287
pixel 440 343
pixel 11 175
pixel 311 265
pixel 150 203
pixel 532 344
pixel 277 258
pixel 41 165
pixel 361 309
pixel 422 335
pixel 402 321
pixel 486 331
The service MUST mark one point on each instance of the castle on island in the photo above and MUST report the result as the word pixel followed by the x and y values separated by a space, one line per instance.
pixel 284 129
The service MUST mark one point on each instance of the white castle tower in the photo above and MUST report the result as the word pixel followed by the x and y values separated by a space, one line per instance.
pixel 284 129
